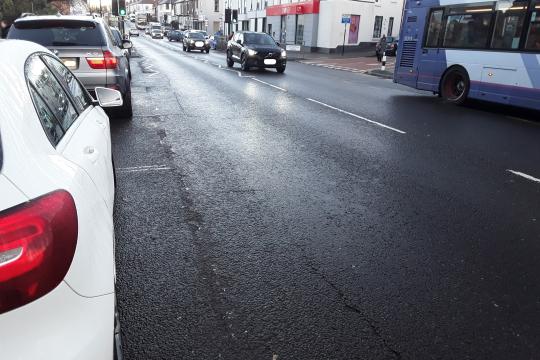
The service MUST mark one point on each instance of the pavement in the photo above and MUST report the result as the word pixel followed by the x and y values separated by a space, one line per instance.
pixel 320 214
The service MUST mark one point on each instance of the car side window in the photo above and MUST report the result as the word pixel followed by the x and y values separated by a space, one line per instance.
pixel 109 34
pixel 51 92
pixel 78 92
pixel 50 124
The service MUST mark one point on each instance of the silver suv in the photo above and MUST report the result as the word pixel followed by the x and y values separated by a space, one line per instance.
pixel 87 47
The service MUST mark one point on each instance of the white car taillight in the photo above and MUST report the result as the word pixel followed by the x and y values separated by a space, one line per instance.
pixel 37 245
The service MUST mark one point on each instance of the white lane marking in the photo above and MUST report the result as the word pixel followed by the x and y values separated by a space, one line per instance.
pixel 357 116
pixel 143 168
pixel 265 83
pixel 526 176
pixel 239 73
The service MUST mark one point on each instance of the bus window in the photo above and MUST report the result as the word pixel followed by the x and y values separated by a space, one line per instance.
pixel 434 28
pixel 533 36
pixel 470 29
pixel 509 26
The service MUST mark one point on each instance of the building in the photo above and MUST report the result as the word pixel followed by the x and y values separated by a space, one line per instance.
pixel 165 11
pixel 200 14
pixel 317 24
pixel 141 7
pixel 71 7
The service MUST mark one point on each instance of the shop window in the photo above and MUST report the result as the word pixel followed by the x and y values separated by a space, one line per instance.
pixel 377 28
pixel 299 36
pixel 390 26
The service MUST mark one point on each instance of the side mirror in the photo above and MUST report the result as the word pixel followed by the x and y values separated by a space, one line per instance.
pixel 277 43
pixel 108 97
pixel 127 44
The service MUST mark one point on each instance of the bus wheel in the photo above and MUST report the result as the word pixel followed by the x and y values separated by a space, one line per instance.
pixel 455 86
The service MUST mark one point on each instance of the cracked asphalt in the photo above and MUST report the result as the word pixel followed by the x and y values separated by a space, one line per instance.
pixel 320 214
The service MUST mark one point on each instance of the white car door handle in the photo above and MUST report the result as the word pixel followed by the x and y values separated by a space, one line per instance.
pixel 92 153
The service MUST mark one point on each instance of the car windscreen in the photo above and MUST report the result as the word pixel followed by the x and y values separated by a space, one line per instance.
pixel 196 35
pixel 58 33
pixel 258 39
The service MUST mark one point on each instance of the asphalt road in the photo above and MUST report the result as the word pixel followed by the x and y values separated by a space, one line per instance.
pixel 321 214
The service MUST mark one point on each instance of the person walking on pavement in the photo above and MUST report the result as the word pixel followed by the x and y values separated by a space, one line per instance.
pixel 381 48
pixel 4 28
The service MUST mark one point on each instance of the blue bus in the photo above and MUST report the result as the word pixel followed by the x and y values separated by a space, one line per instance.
pixel 459 49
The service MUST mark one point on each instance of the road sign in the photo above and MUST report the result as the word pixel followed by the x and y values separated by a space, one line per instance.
pixel 345 19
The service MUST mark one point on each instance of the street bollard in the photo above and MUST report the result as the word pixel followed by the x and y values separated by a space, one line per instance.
pixel 383 66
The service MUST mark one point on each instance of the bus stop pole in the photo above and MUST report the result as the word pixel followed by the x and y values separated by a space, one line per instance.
pixel 344 33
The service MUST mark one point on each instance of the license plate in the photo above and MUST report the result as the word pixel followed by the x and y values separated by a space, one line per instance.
pixel 270 61
pixel 199 44
pixel 70 63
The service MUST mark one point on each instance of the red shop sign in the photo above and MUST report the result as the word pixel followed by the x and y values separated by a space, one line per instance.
pixel 306 7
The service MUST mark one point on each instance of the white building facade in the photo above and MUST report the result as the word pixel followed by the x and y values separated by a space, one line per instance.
pixel 205 15
pixel 317 24
pixel 141 7
pixel 165 11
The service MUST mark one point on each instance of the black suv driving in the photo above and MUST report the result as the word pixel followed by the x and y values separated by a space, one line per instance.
pixel 254 49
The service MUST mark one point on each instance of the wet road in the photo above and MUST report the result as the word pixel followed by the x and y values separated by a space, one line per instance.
pixel 320 214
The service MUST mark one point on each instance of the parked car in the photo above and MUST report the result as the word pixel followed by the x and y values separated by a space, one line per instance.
pixel 255 49
pixel 87 47
pixel 57 265
pixel 195 40
pixel 133 32
pixel 156 34
pixel 166 30
pixel 391 45
pixel 175 35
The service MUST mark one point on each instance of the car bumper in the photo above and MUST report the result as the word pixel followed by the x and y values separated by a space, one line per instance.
pixel 157 36
pixel 61 325
pixel 256 61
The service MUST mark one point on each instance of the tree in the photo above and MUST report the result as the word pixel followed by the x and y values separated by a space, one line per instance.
pixel 12 9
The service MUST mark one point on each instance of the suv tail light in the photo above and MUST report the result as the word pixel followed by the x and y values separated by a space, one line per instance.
pixel 107 61
pixel 37 245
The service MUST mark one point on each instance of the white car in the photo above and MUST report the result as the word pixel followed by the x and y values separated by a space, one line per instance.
pixel 57 266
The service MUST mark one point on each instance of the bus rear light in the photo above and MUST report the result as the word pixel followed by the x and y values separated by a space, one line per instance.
pixel 37 245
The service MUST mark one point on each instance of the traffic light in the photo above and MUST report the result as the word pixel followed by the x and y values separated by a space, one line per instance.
pixel 119 7
pixel 235 15
pixel 227 16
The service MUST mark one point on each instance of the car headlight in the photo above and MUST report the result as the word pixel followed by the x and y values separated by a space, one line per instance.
pixel 252 52
pixel 283 53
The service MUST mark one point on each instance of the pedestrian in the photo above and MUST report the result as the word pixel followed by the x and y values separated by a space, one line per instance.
pixel 231 36
pixel 381 48
pixel 4 28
